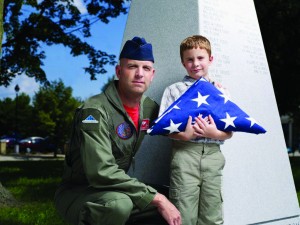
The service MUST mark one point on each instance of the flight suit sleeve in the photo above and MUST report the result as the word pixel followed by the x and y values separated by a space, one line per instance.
pixel 99 164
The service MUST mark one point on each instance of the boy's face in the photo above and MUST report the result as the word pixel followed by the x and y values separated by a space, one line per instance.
pixel 196 62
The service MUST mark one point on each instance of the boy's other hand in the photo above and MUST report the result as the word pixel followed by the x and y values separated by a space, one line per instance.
pixel 206 127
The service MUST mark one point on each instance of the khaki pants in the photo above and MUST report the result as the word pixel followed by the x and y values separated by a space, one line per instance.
pixel 89 206
pixel 195 183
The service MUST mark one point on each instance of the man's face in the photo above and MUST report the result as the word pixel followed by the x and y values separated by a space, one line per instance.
pixel 196 62
pixel 134 76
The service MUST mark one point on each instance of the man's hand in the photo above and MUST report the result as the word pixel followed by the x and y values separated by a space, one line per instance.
pixel 168 211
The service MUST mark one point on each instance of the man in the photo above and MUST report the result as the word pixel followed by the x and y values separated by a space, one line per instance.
pixel 107 132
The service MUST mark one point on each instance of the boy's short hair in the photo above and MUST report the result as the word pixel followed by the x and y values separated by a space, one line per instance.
pixel 195 41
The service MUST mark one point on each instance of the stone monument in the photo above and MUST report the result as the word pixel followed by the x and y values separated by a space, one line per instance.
pixel 258 184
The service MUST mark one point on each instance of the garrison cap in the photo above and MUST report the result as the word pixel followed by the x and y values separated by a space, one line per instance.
pixel 137 49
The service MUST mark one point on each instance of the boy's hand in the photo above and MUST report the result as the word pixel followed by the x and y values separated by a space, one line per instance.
pixel 218 85
pixel 206 127
pixel 188 134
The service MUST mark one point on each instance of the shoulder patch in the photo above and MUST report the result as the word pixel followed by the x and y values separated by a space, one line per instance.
pixel 90 119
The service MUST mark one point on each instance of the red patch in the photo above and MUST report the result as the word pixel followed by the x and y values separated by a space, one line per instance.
pixel 145 124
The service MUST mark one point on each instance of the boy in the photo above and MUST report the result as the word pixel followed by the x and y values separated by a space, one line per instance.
pixel 197 162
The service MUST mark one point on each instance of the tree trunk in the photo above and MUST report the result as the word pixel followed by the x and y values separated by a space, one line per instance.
pixel 6 198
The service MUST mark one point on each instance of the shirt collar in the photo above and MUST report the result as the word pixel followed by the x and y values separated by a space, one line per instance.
pixel 188 80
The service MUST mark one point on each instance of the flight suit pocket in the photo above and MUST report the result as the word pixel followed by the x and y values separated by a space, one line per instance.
pixel 174 195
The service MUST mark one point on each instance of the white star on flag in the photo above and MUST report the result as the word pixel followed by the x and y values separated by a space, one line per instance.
pixel 226 98
pixel 201 99
pixel 173 127
pixel 228 121
pixel 205 99
pixel 253 121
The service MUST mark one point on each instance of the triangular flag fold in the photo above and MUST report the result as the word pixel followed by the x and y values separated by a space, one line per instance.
pixel 204 99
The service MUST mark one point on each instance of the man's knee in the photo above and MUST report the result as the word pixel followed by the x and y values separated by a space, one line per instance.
pixel 120 208
pixel 115 211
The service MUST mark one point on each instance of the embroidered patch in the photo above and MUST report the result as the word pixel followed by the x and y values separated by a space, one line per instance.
pixel 90 119
pixel 124 130
pixel 145 124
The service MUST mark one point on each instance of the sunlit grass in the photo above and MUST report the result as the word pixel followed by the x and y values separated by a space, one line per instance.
pixel 33 184
pixel 36 189
pixel 33 213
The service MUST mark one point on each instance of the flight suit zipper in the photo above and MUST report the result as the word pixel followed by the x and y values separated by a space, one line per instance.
pixel 134 151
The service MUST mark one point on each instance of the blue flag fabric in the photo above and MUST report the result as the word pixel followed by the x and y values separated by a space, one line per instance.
pixel 204 99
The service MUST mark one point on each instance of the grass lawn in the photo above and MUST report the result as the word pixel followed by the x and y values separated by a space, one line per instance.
pixel 33 183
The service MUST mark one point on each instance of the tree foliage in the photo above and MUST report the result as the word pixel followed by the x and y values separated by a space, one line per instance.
pixel 53 110
pixel 49 115
pixel 16 115
pixel 29 24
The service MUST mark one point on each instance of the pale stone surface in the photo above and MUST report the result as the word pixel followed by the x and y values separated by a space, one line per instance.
pixel 258 183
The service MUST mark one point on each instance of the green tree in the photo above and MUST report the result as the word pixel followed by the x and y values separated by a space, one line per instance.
pixel 7 106
pixel 53 110
pixel 30 24
pixel 16 116
pixel 23 115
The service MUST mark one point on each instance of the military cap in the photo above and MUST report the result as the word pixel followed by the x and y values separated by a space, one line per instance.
pixel 137 49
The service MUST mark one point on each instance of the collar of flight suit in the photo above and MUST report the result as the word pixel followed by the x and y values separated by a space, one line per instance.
pixel 112 95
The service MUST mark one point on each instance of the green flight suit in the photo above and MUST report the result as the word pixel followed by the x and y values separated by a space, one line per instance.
pixel 95 188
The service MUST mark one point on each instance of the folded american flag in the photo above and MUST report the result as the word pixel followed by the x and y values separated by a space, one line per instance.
pixel 204 99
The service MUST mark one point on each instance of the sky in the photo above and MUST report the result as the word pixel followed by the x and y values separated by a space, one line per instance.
pixel 59 64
